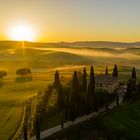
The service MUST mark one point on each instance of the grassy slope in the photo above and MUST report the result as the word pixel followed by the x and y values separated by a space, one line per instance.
pixel 121 123
pixel 13 95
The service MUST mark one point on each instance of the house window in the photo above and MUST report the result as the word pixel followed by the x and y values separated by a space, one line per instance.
pixel 97 84
pixel 100 85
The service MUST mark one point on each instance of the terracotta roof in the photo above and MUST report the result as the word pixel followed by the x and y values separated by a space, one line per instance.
pixel 105 79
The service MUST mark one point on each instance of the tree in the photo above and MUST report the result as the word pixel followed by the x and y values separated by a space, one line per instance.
pixel 129 90
pixel 117 98
pixel 115 71
pixel 89 100
pixel 75 83
pixel 84 80
pixel 133 78
pixel 37 128
pixel 56 80
pixel 23 71
pixel 106 101
pixel 92 82
pixel 91 86
pixel 106 71
pixel 79 76
pixel 74 97
pixel 3 74
pixel 60 103
pixel 72 106
pixel 25 133
pixel 60 98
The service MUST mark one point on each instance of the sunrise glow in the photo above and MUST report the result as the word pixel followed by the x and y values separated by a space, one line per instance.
pixel 22 33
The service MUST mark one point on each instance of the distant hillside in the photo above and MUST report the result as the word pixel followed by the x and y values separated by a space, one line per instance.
pixel 11 44
pixel 102 44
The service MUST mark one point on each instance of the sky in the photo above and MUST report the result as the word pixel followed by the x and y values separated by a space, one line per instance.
pixel 73 20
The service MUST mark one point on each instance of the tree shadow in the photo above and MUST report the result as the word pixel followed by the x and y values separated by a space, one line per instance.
pixel 1 83
pixel 23 80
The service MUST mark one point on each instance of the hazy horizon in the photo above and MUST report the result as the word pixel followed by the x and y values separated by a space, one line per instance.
pixel 111 41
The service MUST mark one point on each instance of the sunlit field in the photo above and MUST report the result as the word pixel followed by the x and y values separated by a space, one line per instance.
pixel 43 60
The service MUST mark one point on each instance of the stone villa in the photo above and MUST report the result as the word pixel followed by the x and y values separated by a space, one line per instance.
pixel 106 83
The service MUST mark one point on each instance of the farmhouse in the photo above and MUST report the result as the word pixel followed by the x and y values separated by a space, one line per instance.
pixel 106 82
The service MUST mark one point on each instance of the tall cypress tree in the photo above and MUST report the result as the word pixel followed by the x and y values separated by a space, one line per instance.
pixel 117 99
pixel 92 82
pixel 25 134
pixel 129 90
pixel 56 80
pixel 60 103
pixel 91 86
pixel 89 101
pixel 115 71
pixel 75 84
pixel 133 79
pixel 84 80
pixel 106 71
pixel 74 97
pixel 37 128
pixel 84 92
pixel 133 76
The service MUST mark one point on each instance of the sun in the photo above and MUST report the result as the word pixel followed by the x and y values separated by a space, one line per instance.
pixel 22 33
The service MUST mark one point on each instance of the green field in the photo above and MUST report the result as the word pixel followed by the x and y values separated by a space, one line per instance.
pixel 43 60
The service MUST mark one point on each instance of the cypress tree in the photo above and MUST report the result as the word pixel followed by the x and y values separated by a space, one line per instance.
pixel 133 78
pixel 56 80
pixel 84 92
pixel 37 128
pixel 79 76
pixel 115 71
pixel 84 80
pixel 92 86
pixel 72 106
pixel 92 82
pixel 74 98
pixel 75 84
pixel 25 134
pixel 106 71
pixel 60 103
pixel 117 99
pixel 129 90
pixel 106 102
pixel 88 101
